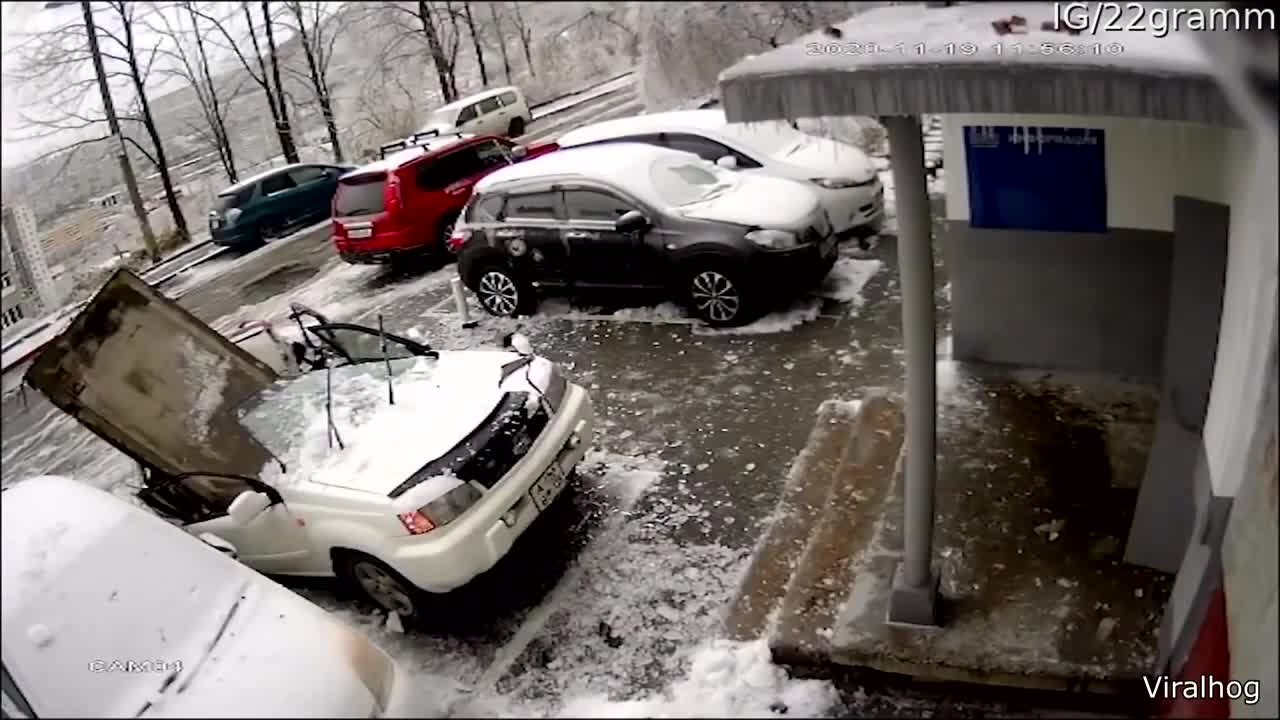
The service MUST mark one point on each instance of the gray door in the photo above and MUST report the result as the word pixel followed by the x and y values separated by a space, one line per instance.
pixel 1166 509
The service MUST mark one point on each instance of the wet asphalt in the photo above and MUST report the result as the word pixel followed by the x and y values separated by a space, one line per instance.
pixel 605 589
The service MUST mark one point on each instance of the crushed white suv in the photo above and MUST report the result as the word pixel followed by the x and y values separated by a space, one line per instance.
pixel 395 467
pixel 843 176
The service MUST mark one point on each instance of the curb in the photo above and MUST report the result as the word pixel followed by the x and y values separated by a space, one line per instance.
pixel 764 584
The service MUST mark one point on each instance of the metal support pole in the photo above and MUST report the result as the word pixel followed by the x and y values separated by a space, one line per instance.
pixel 915 586
pixel 460 302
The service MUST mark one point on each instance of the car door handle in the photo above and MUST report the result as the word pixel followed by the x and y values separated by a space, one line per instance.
pixel 508 233
pixel 579 235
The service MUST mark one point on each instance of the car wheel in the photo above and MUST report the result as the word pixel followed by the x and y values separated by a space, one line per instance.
pixel 516 129
pixel 385 587
pixel 503 294
pixel 445 231
pixel 717 297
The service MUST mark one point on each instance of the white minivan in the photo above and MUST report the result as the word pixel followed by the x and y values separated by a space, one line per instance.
pixel 109 611
pixel 502 111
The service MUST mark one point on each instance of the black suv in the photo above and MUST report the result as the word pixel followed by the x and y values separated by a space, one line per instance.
pixel 632 216
pixel 272 203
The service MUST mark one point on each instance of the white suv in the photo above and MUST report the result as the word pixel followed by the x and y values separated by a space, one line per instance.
pixel 388 464
pixel 843 176
pixel 502 111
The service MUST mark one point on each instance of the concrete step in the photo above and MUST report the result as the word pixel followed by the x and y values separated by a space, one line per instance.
pixel 619 104
pixel 824 572
pixel 803 497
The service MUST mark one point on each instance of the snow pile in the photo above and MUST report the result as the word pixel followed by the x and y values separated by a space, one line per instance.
pixel 725 680
pixel 847 277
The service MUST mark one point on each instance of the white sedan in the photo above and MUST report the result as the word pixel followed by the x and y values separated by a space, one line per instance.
pixel 843 175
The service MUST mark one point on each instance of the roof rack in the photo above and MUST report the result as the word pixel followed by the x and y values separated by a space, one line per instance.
pixel 418 139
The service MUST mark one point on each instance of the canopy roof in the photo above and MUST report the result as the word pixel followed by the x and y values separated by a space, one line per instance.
pixel 916 59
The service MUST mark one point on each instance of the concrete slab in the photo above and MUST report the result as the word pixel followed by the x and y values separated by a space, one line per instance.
pixel 804 497
pixel 1029 534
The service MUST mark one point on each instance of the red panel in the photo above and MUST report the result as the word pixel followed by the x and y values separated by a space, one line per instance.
pixel 1210 656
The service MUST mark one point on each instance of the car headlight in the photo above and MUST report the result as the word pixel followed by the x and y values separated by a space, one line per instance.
pixel 776 239
pixel 841 183
pixel 553 385
pixel 233 214
pixel 442 509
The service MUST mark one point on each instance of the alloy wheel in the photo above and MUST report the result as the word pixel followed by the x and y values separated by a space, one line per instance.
pixel 498 293
pixel 384 589
pixel 715 296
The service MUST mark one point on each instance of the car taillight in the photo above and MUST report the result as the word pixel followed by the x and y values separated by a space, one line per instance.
pixel 458 239
pixel 391 194
pixel 442 509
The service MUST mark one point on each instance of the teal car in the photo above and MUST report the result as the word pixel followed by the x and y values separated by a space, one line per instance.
pixel 274 203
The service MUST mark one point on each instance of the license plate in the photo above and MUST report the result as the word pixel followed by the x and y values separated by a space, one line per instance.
pixel 548 486
pixel 359 233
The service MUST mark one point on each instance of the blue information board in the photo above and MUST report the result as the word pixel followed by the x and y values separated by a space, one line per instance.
pixel 1036 178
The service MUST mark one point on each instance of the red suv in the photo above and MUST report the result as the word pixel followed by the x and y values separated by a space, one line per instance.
pixel 404 205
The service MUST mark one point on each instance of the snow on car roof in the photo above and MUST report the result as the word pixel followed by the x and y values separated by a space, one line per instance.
pixel 400 157
pixel 477 97
pixel 656 122
pixel 626 165
pixel 912 59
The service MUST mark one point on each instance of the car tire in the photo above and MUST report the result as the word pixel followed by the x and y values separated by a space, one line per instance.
pixel 716 295
pixel 502 293
pixel 443 232
pixel 378 583
pixel 516 128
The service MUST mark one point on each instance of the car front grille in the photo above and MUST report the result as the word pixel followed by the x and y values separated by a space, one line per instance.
pixel 488 453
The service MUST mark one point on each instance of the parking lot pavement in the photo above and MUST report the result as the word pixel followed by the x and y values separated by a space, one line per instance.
pixel 696 432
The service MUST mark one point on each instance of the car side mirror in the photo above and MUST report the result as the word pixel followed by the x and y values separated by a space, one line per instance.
pixel 728 162
pixel 519 152
pixel 631 221
pixel 247 506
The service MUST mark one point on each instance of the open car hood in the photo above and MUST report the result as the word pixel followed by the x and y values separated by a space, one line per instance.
pixel 141 372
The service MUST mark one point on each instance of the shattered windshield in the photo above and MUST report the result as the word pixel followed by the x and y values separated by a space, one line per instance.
pixel 280 416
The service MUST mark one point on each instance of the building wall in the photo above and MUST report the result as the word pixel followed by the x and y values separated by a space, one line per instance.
pixel 1081 301
pixel 24 257
pixel 73 233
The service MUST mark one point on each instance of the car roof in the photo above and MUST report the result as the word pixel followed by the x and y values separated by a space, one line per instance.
pixel 456 104
pixel 624 165
pixel 658 122
pixel 400 158
pixel 247 182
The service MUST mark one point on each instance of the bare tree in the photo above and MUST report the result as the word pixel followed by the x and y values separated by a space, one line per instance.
pixel 525 33
pixel 317 32
pixel 502 41
pixel 55 61
pixel 126 169
pixel 189 60
pixel 443 63
pixel 432 24
pixel 257 70
pixel 475 42
pixel 282 125
pixel 124 12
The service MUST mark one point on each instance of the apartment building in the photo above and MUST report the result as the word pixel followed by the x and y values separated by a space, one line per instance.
pixel 73 233
pixel 28 287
